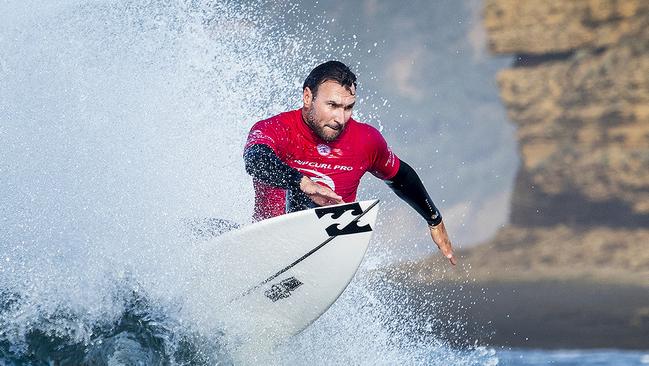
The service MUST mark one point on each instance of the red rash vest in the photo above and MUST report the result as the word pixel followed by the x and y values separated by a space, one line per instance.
pixel 339 164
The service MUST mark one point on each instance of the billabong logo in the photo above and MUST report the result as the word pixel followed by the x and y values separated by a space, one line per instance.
pixel 338 211
pixel 323 149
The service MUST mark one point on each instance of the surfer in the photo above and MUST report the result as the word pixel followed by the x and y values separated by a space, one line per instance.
pixel 316 155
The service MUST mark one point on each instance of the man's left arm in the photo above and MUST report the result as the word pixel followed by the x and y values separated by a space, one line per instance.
pixel 408 186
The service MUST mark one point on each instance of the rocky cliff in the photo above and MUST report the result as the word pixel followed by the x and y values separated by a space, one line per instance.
pixel 574 259
pixel 578 92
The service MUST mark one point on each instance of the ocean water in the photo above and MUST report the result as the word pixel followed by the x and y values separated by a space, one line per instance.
pixel 121 119
pixel 521 357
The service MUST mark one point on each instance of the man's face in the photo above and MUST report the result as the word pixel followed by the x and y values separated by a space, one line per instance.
pixel 328 113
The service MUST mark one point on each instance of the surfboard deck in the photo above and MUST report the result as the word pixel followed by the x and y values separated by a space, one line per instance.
pixel 281 274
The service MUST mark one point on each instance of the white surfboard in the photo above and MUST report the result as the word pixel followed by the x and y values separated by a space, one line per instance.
pixel 281 274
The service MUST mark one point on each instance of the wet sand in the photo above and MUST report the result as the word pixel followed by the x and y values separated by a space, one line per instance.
pixel 542 314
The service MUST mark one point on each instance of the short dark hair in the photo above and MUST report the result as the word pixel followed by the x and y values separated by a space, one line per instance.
pixel 329 71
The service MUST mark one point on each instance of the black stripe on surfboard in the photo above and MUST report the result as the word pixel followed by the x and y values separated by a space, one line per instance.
pixel 279 273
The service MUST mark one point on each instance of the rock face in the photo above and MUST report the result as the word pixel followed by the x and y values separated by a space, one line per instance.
pixel 578 92
pixel 583 131
pixel 574 259
pixel 557 26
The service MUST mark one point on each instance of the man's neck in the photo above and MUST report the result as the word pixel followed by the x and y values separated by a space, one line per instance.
pixel 303 114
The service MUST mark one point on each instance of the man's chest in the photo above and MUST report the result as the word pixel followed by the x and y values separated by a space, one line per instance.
pixel 340 165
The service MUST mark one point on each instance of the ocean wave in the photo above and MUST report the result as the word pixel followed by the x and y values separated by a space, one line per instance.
pixel 142 332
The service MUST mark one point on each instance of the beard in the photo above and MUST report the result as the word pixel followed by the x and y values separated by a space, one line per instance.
pixel 320 130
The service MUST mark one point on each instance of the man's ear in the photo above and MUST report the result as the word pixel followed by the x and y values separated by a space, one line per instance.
pixel 307 97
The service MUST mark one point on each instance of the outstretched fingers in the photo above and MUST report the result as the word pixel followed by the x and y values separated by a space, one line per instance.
pixel 440 237
pixel 447 250
pixel 321 195
pixel 324 197
pixel 329 195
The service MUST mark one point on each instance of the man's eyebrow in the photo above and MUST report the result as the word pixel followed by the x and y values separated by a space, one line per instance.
pixel 339 105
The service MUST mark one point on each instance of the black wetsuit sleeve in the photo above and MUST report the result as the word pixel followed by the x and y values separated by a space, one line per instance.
pixel 263 164
pixel 407 185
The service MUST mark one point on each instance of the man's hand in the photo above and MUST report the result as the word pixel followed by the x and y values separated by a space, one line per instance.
pixel 440 237
pixel 321 195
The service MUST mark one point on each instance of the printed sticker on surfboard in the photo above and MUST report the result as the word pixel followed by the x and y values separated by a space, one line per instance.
pixel 279 275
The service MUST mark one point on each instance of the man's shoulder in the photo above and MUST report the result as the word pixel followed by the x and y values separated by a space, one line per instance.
pixel 285 118
pixel 363 129
pixel 272 131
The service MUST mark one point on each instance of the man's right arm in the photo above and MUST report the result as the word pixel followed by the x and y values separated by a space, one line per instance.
pixel 263 164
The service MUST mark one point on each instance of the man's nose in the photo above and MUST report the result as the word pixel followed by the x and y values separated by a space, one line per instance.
pixel 339 116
